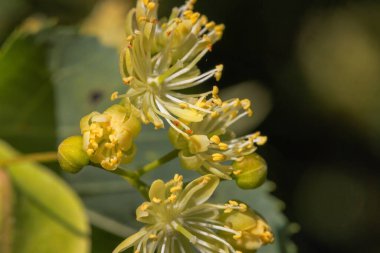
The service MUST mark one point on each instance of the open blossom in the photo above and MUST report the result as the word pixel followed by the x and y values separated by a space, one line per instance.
pixel 159 60
pixel 108 136
pixel 179 220
pixel 213 146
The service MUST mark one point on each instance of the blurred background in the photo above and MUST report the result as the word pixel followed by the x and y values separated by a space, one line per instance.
pixel 312 70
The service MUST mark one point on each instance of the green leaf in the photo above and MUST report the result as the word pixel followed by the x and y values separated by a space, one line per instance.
pixel 48 216
pixel 26 95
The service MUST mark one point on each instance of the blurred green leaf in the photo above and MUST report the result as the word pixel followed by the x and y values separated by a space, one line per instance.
pixel 26 95
pixel 48 216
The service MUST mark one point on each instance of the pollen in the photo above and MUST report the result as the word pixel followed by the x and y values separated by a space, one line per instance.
pixel 151 6
pixel 217 157
pixel 127 80
pixel 223 146
pixel 215 139
pixel 156 200
pixel 237 172
pixel 218 73
pixel 114 96
pixel 153 237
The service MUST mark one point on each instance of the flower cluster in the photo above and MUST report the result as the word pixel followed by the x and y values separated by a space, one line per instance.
pixel 178 219
pixel 158 63
pixel 213 143
pixel 107 137
pixel 159 60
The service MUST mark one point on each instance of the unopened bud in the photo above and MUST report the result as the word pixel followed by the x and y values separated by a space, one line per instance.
pixel 71 155
pixel 252 171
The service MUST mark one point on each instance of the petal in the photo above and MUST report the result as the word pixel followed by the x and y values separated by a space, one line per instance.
pixel 198 191
pixel 157 190
pixel 190 162
pixel 130 241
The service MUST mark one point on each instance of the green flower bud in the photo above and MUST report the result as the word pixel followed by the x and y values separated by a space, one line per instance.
pixel 71 155
pixel 252 230
pixel 251 172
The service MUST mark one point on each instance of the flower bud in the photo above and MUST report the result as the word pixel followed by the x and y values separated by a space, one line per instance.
pixel 251 172
pixel 252 230
pixel 71 156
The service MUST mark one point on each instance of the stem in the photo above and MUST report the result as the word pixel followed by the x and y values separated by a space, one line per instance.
pixel 156 163
pixel 134 179
pixel 33 157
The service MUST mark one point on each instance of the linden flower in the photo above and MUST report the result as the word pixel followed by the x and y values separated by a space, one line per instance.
pixel 213 147
pixel 254 232
pixel 107 137
pixel 179 221
pixel 160 59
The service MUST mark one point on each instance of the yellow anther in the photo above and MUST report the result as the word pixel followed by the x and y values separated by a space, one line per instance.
pixel 204 20
pixel 146 2
pixel 245 103
pixel 205 180
pixel 109 145
pixel 236 102
pixel 175 189
pixel 127 80
pixel 217 157
pixel 137 251
pixel 214 114
pixel 215 90
pixel 218 73
pixel 238 235
pixel 243 207
pixel 183 105
pixel 177 20
pixel 249 112
pixel 228 210
pixel 238 251
pixel 220 28
pixel 178 178
pixel 90 151
pixel 261 140
pixel 114 96
pixel 144 207
pixel 215 139
pixel 156 200
pixel 142 19
pixel 210 25
pixel 233 203
pixel 153 237
pixel 194 17
pixel 223 146
pixel 188 13
pixel 237 172
pixel 151 6
pixel 217 101
pixel 172 198
pixel 206 38
pixel 130 38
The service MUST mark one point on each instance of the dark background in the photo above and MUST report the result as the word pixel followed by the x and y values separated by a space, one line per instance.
pixel 318 61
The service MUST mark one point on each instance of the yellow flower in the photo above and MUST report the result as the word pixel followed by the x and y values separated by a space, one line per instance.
pixel 178 219
pixel 213 146
pixel 159 60
pixel 108 137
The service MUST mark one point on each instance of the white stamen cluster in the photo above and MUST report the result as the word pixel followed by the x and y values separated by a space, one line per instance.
pixel 178 220
pixel 213 146
pixel 159 60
